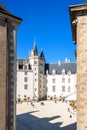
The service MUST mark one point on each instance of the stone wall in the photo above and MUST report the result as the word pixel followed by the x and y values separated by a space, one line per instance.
pixel 7 75
pixel 3 79
pixel 11 41
pixel 82 71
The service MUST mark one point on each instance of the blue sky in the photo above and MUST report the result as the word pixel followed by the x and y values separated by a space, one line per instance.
pixel 48 22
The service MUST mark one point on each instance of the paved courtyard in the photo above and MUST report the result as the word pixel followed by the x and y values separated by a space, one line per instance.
pixel 50 116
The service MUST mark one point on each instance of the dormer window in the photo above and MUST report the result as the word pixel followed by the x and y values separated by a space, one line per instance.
pixel 63 72
pixel 69 73
pixel 20 66
pixel 54 72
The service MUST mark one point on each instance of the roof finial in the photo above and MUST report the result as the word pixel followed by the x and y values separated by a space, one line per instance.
pixel 35 48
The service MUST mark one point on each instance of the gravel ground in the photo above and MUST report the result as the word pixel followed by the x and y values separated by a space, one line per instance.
pixel 49 116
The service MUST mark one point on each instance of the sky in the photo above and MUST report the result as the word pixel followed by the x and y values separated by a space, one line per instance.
pixel 47 22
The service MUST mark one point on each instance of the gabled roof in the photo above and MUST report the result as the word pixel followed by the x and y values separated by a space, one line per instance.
pixel 3 9
pixel 58 68
pixel 6 14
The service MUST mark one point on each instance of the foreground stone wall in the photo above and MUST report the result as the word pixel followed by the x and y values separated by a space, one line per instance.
pixel 78 15
pixel 8 30
pixel 3 80
pixel 82 71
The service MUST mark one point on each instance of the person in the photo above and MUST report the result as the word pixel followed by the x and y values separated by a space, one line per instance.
pixel 70 116
pixel 55 101
pixel 28 100
pixel 68 109
pixel 32 104
pixel 19 100
pixel 42 103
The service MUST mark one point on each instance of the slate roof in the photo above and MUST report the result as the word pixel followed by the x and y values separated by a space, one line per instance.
pixel 58 68
pixel 3 10
pixel 42 54
pixel 22 60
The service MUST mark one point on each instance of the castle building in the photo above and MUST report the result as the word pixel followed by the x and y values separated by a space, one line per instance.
pixel 8 32
pixel 31 76
pixel 38 80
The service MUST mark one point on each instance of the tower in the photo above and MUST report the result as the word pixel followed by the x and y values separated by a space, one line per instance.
pixel 42 90
pixel 38 66
pixel 34 62
pixel 8 32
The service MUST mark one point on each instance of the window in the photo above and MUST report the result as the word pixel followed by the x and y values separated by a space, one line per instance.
pixel 54 88
pixel 53 80
pixel 26 86
pixel 20 66
pixel 41 72
pixel 63 80
pixel 69 73
pixel 35 89
pixel 63 88
pixel 25 73
pixel 29 66
pixel 69 89
pixel 35 62
pixel 35 73
pixel 69 80
pixel 25 79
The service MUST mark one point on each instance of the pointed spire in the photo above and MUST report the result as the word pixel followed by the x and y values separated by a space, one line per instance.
pixel 35 48
pixel 42 54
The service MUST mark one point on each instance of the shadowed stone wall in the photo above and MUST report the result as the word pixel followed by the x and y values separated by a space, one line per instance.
pixel 8 30
pixel 3 71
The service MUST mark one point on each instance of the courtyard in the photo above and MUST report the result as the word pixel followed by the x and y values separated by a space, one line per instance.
pixel 46 116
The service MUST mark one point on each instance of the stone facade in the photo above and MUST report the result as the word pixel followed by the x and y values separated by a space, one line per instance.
pixel 8 29
pixel 3 72
pixel 78 15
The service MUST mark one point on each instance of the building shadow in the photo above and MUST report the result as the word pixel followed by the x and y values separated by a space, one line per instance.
pixel 27 121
